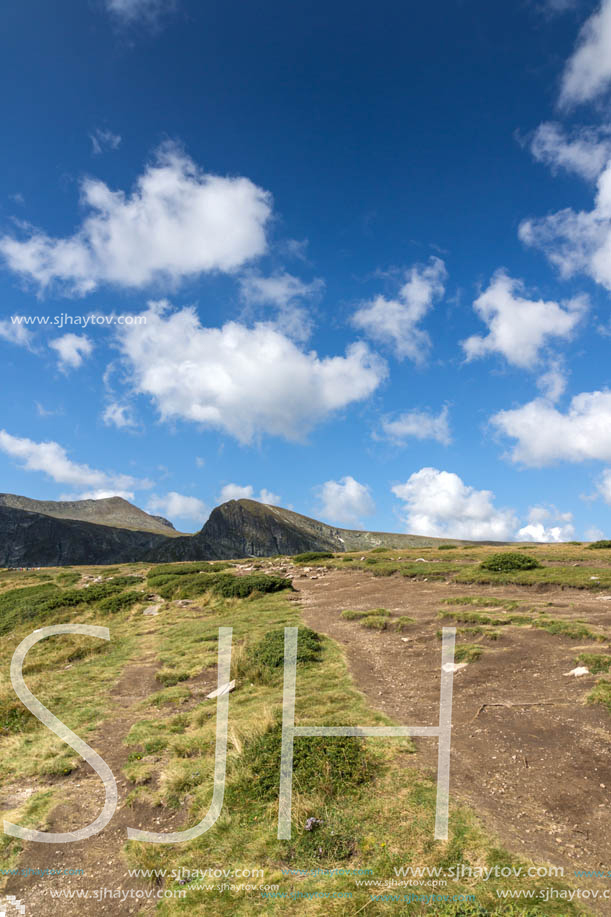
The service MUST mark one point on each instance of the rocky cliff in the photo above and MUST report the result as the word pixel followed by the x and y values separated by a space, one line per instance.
pixel 37 533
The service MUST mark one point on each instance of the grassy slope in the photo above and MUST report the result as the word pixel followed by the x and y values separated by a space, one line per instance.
pixel 376 814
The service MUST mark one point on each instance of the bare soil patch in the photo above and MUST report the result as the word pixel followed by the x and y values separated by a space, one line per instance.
pixel 536 769
pixel 82 799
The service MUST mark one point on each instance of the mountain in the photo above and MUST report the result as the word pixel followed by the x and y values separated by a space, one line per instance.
pixel 245 528
pixel 35 533
pixel 113 511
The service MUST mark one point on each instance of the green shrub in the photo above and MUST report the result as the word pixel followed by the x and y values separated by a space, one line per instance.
pixel 68 578
pixel 573 629
pixel 351 614
pixel 402 622
pixel 116 603
pixel 269 651
pixel 379 550
pixel 446 547
pixel 178 569
pixel 331 767
pixel 169 677
pixel 20 605
pixel 308 556
pixel 601 694
pixel 14 717
pixel 375 622
pixel 511 560
pixel 230 586
pixel 597 545
pixel 597 663
pixel 467 652
pixel 124 580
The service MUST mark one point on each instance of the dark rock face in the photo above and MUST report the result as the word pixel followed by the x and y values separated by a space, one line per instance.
pixel 31 537
pixel 236 529
pixel 245 528
pixel 33 540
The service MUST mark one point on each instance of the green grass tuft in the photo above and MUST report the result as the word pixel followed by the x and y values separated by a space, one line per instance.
pixel 507 561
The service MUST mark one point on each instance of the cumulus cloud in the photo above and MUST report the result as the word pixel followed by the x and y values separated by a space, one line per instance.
pixel 174 505
pixel 539 528
pixel 129 11
pixel 98 495
pixel 440 504
pixel 278 289
pixel 594 533
pixel 588 71
pixel 247 492
pixel 287 294
pixel 118 415
pixel 177 223
pixel 604 485
pixel 419 425
pixel 16 334
pixel 345 501
pixel 244 381
pixel 586 152
pixel 395 322
pixel 52 459
pixel 553 382
pixel 577 241
pixel 71 350
pixel 545 435
pixel 518 327
pixel 102 140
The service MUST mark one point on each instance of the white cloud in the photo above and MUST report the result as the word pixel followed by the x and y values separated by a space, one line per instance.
pixel 546 435
pixel 577 241
pixel 200 462
pixel 52 459
pixel 559 6
pixel 537 530
pixel 71 350
pixel 177 223
pixel 345 501
pixel 247 492
pixel 394 322
pixel 118 415
pixel 594 534
pixel 236 492
pixel 278 289
pixel 268 497
pixel 244 381
pixel 520 327
pixel 98 495
pixel 586 152
pixel 419 425
pixel 553 382
pixel 588 71
pixel 174 505
pixel 285 292
pixel 129 11
pixel 604 485
pixel 439 504
pixel 103 139
pixel 16 334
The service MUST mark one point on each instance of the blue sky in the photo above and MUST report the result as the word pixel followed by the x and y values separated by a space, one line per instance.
pixel 354 259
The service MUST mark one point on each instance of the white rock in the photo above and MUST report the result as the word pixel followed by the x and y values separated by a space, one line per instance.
pixel 454 666
pixel 224 689
pixel 580 670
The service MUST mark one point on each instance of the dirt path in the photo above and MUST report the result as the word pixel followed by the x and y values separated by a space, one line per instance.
pixel 82 795
pixel 538 776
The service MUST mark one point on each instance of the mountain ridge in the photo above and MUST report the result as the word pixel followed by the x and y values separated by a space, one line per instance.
pixel 96 532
